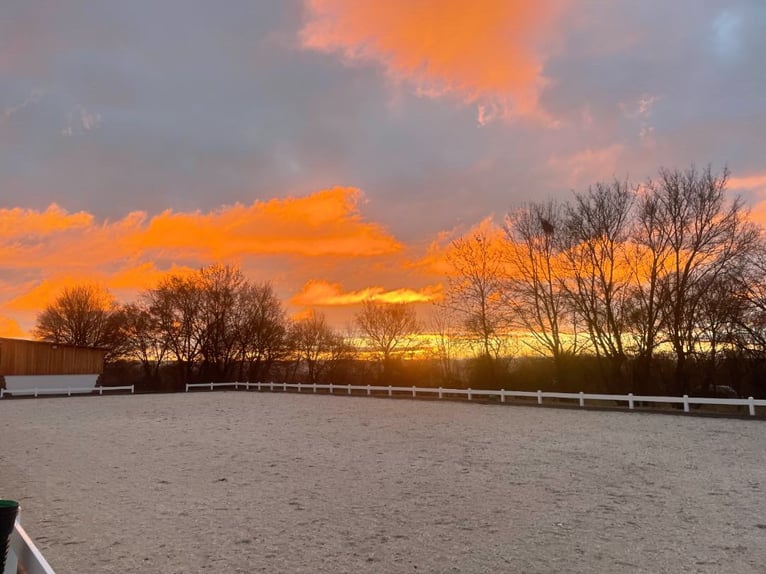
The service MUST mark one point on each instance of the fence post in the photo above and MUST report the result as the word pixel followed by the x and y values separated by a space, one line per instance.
pixel 582 399
pixel 686 403
pixel 349 389
pixel 2 391
pixel 469 393
pixel 271 386
pixel 35 392
pixel 211 385
pixel 369 390
pixel 390 393
pixel 69 391
pixel 187 387
pixel 440 392
pixel 132 389
pixel 299 386
pixel 413 391
pixel 259 385
pixel 315 387
pixel 630 401
pixel 751 406
pixel 539 397
pixel 502 395
pixel 330 388
pixel 100 390
pixel 247 385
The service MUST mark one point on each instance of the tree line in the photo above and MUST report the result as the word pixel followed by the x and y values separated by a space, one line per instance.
pixel 643 288
pixel 215 325
pixel 650 288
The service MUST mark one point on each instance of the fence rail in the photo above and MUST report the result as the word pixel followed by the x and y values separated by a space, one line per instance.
pixel 630 399
pixel 64 391
pixel 24 556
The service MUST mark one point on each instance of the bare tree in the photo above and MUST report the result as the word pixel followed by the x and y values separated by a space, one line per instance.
pixel 750 328
pixel 650 250
pixel 263 331
pixel 177 304
pixel 389 328
pixel 598 276
pixel 448 343
pixel 536 294
pixel 316 344
pixel 706 236
pixel 476 287
pixel 213 320
pixel 143 339
pixel 84 315
pixel 221 286
pixel 721 310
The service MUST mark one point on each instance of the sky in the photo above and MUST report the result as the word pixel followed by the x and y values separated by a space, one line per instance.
pixel 335 147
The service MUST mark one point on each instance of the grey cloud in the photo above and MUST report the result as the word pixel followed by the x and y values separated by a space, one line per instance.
pixel 205 103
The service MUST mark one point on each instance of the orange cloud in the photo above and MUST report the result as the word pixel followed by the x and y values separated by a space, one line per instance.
pixel 141 276
pixel 42 252
pixel 587 166
pixel 436 261
pixel 487 52
pixel 10 328
pixel 325 294
pixel 324 223
pixel 755 184
pixel 37 294
pixel 18 223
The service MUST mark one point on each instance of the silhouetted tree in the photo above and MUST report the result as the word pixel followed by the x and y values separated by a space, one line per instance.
pixel 263 336
pixel 598 278
pixel 751 324
pixel 447 343
pixel 177 306
pixel 84 315
pixel 536 294
pixel 721 310
pixel 222 313
pixel 144 342
pixel 317 345
pixel 389 328
pixel 650 251
pixel 706 236
pixel 475 290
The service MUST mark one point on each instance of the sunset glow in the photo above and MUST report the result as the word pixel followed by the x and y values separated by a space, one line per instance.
pixel 48 250
pixel 488 52
pixel 338 148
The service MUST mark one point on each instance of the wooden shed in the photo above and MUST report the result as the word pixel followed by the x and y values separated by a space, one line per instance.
pixel 20 357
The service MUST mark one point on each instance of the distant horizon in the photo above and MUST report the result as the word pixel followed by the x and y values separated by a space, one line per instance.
pixel 337 147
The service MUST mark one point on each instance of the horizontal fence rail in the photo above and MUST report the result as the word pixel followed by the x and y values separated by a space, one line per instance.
pixel 64 391
pixel 630 399
pixel 24 556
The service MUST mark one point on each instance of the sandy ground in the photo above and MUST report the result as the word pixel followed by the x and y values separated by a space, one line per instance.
pixel 249 482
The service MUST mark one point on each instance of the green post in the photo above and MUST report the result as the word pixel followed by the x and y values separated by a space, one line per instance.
pixel 9 509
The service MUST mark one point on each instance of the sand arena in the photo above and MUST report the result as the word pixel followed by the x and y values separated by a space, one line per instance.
pixel 249 482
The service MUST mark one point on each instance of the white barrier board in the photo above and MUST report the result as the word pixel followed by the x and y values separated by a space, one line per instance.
pixel 31 382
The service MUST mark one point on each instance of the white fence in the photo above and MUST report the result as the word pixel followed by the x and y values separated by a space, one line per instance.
pixel 63 391
pixel 630 399
pixel 24 556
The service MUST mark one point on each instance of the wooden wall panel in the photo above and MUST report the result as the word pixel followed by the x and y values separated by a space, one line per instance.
pixel 20 357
